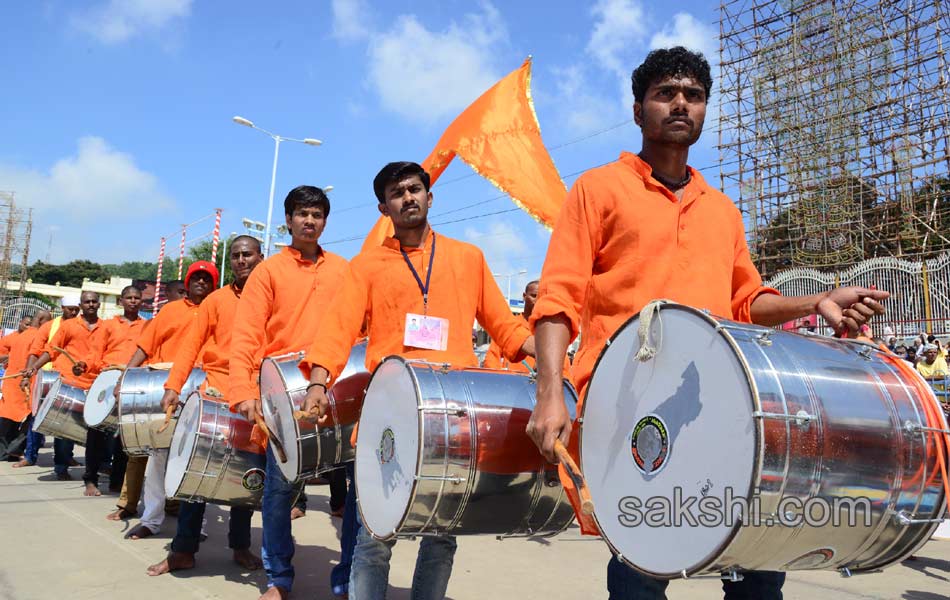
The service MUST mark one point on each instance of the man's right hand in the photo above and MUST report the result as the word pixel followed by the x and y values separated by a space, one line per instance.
pixel 250 409
pixel 316 403
pixel 171 398
pixel 549 421
pixel 25 383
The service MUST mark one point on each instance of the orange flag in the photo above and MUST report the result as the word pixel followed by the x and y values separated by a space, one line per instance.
pixel 499 137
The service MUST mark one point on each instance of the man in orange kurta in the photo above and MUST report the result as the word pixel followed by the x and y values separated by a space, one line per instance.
pixel 413 280
pixel 76 350
pixel 210 338
pixel 280 308
pixel 646 227
pixel 159 343
pixel 62 449
pixel 15 415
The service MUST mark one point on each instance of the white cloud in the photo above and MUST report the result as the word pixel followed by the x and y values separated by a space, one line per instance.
pixel 585 111
pixel 118 20
pixel 426 75
pixel 619 26
pixel 507 252
pixel 98 186
pixel 351 20
pixel 689 32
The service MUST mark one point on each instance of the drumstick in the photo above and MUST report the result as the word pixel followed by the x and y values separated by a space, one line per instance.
pixel 168 417
pixel 13 375
pixel 302 414
pixel 587 504
pixel 278 447
pixel 66 354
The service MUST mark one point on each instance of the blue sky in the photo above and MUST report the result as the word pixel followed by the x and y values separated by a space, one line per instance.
pixel 116 123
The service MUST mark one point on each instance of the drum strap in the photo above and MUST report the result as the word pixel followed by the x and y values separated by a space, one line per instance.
pixel 649 347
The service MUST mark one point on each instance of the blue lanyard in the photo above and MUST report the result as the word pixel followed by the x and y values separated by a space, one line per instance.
pixel 422 288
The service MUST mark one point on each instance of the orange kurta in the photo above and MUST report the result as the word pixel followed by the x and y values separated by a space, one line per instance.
pixel 162 338
pixel 83 344
pixel 7 341
pixel 380 290
pixel 494 360
pixel 209 338
pixel 14 404
pixel 123 340
pixel 42 336
pixel 623 239
pixel 281 305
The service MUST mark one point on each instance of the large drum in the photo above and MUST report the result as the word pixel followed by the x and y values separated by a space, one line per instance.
pixel 212 457
pixel 821 445
pixel 100 411
pixel 312 448
pixel 41 385
pixel 445 452
pixel 140 408
pixel 60 414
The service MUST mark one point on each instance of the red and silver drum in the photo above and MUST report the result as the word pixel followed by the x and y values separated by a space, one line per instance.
pixel 737 447
pixel 60 414
pixel 444 451
pixel 212 457
pixel 41 385
pixel 312 448
pixel 140 408
pixel 100 411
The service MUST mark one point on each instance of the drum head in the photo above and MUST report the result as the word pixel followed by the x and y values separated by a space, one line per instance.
pixel 677 426
pixel 100 402
pixel 278 412
pixel 387 448
pixel 183 443
pixel 39 384
pixel 46 403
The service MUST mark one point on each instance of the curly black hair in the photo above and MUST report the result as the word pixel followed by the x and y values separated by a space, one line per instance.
pixel 670 62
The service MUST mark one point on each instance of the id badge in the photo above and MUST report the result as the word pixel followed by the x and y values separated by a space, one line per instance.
pixel 428 333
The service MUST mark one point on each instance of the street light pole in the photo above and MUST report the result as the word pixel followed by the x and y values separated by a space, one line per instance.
pixel 224 254
pixel 273 177
pixel 509 276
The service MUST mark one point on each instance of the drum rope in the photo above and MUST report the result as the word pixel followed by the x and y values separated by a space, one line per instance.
pixel 649 347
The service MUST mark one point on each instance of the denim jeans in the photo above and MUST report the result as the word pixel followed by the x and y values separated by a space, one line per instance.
pixel 623 583
pixel 277 550
pixel 340 575
pixel 62 454
pixel 369 577
pixel 188 537
pixel 34 441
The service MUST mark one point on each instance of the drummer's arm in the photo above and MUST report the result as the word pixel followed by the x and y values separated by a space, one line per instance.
pixel 137 359
pixel 550 420
pixel 41 360
pixel 846 308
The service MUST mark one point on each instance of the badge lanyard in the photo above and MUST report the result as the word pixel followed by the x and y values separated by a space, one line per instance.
pixel 422 288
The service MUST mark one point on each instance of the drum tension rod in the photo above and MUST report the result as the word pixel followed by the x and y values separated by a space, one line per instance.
pixel 730 575
pixel 453 479
pixel 802 418
pixel 905 518
pixel 846 572
pixel 458 412
pixel 915 427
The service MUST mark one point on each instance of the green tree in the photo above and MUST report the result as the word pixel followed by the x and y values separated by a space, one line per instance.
pixel 71 274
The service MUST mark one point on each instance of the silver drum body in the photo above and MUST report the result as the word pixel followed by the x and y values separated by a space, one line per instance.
pixel 61 413
pixel 445 452
pixel 41 385
pixel 140 408
pixel 312 448
pixel 212 457
pixel 775 419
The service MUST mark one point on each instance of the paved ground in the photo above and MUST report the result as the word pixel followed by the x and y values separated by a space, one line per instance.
pixel 58 544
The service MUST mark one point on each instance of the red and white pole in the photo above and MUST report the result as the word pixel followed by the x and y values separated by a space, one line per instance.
pixel 216 235
pixel 158 276
pixel 181 250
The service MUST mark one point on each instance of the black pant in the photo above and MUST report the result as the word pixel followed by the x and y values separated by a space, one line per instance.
pixel 119 462
pixel 95 441
pixel 337 479
pixel 12 438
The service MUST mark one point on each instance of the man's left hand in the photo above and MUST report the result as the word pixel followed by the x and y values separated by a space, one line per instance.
pixel 848 308
pixel 79 368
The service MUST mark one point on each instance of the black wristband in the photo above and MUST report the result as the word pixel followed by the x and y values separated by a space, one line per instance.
pixel 323 385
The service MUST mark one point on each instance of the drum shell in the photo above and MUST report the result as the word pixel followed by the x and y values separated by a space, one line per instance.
pixel 478 472
pixel 140 408
pixel 41 384
pixel 220 459
pixel 61 413
pixel 858 441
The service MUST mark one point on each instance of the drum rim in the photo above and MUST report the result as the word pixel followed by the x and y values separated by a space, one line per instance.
pixel 757 444
pixel 276 362
pixel 45 405
pixel 38 384
pixel 415 485
pixel 85 411
pixel 194 446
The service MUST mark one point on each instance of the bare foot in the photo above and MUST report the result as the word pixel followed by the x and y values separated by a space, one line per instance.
pixel 296 513
pixel 23 463
pixel 139 532
pixel 120 514
pixel 91 490
pixel 175 561
pixel 247 559
pixel 275 593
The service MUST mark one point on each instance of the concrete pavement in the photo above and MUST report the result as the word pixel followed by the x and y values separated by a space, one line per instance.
pixel 58 544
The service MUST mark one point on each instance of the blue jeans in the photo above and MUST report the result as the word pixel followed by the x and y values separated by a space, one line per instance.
pixel 340 575
pixel 188 536
pixel 34 441
pixel 369 576
pixel 623 583
pixel 62 454
pixel 277 550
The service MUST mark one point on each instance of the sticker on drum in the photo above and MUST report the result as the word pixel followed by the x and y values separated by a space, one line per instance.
pixel 650 444
pixel 387 446
pixel 816 559
pixel 253 480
